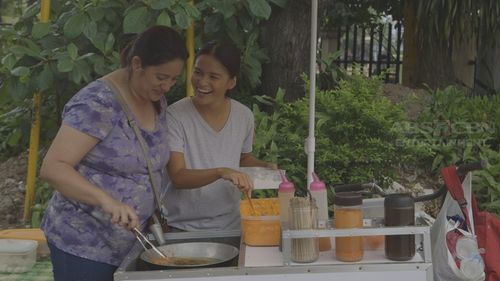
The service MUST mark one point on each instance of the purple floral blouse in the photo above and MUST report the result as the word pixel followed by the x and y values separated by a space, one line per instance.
pixel 116 164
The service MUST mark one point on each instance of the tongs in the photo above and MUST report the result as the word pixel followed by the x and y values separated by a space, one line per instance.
pixel 144 241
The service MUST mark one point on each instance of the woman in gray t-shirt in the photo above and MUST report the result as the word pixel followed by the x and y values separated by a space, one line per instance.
pixel 210 136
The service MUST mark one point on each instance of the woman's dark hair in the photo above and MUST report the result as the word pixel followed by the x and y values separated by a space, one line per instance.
pixel 154 46
pixel 226 53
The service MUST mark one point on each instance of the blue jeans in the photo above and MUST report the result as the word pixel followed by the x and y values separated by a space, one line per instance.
pixel 69 267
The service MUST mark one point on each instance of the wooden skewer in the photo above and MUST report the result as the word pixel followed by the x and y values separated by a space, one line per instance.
pixel 251 204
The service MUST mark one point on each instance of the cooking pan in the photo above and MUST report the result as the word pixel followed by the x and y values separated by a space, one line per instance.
pixel 191 255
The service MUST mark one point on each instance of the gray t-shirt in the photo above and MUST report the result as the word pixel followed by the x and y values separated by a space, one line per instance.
pixel 216 205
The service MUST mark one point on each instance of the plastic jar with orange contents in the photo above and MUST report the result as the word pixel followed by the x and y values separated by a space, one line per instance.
pixel 348 214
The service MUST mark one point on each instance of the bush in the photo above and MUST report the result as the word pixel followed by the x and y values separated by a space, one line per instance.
pixel 83 40
pixel 458 129
pixel 361 136
pixel 354 133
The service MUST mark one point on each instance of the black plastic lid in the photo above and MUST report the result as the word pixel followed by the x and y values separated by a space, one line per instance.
pixel 399 200
pixel 348 199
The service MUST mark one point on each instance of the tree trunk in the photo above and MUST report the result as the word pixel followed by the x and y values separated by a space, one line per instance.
pixel 464 54
pixel 287 36
pixel 424 62
pixel 463 57
pixel 488 66
pixel 410 44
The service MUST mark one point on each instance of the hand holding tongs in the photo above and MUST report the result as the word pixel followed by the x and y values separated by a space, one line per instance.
pixel 143 240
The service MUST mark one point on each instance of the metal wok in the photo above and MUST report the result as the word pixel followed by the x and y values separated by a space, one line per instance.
pixel 191 255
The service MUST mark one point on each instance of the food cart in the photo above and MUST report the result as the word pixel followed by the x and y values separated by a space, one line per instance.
pixel 269 263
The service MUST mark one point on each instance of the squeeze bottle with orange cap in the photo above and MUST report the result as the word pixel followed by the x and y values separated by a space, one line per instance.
pixel 286 191
pixel 318 192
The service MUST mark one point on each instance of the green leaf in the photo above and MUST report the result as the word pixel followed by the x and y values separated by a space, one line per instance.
pixel 22 50
pixel 161 4
pixel 9 61
pixel 260 8
pixel 30 44
pixel 80 72
pixel 246 21
pixel 280 3
pixel 212 23
pixel 136 20
pixel 273 146
pixel 164 19
pixel 17 90
pixel 183 20
pixel 110 42
pixel 40 29
pixel 32 10
pixel 233 30
pixel 14 137
pixel 20 71
pixel 75 25
pixel 100 66
pixel 4 95
pixel 191 11
pixel 45 79
pixel 226 8
pixel 90 31
pixel 490 179
pixel 64 64
pixel 96 13
pixel 36 219
pixel 99 41
pixel 72 51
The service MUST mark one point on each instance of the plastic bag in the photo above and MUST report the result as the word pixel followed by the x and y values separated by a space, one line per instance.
pixel 448 263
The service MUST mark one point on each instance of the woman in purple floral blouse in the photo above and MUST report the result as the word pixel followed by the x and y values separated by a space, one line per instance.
pixel 96 164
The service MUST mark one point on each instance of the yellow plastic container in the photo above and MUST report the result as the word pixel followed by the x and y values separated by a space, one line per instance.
pixel 261 228
pixel 28 234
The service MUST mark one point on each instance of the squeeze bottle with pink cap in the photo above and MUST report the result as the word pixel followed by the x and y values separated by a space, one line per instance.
pixel 318 192
pixel 286 191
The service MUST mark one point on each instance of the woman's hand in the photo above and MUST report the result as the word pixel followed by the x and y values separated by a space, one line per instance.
pixel 121 214
pixel 241 180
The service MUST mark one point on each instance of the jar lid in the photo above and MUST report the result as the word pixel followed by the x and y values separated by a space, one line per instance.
pixel 348 199
pixel 399 200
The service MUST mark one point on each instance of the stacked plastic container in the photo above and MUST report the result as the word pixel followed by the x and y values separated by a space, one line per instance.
pixel 16 255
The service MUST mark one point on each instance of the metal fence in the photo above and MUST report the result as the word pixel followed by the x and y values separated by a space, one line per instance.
pixel 372 50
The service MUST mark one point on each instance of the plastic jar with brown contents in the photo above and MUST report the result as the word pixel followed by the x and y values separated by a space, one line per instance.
pixel 348 214
pixel 399 210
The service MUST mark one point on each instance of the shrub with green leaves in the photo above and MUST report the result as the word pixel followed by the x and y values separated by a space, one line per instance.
pixel 361 136
pixel 354 135
pixel 83 39
pixel 456 129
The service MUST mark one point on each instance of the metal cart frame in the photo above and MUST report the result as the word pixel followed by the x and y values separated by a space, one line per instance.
pixel 285 269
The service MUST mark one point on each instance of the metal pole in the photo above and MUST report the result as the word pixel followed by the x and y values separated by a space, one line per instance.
pixel 311 141
pixel 34 134
pixel 190 60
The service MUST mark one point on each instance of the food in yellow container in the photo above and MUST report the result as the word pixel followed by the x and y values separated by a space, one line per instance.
pixel 261 226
